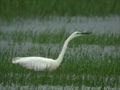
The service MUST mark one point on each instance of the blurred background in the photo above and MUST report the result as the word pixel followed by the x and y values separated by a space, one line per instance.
pixel 82 15
pixel 42 8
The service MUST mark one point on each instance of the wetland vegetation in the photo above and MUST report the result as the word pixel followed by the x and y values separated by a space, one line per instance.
pixel 90 63
pixel 89 60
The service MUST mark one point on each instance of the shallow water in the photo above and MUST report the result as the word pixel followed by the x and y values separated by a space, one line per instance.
pixel 97 52
pixel 92 24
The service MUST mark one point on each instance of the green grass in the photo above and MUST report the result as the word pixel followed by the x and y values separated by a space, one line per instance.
pixel 97 70
pixel 42 8
pixel 69 73
pixel 54 38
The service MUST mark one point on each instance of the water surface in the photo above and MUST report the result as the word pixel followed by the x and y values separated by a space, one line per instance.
pixel 93 24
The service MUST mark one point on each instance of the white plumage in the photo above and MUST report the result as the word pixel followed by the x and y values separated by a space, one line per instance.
pixel 41 63
pixel 36 63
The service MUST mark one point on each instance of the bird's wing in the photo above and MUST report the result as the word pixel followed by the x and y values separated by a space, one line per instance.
pixel 36 63
pixel 40 65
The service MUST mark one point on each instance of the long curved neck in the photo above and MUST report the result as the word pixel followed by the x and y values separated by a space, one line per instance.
pixel 61 55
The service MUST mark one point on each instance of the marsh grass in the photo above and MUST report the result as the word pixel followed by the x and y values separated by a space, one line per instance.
pixel 90 70
pixel 41 8
pixel 42 37
pixel 69 73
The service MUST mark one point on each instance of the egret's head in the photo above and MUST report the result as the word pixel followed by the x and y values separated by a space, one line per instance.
pixel 76 34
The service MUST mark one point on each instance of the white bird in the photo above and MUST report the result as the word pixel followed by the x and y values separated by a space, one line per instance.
pixel 45 64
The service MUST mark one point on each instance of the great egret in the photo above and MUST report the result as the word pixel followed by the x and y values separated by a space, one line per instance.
pixel 43 64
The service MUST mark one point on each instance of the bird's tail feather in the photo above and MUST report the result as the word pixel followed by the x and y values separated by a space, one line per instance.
pixel 14 60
